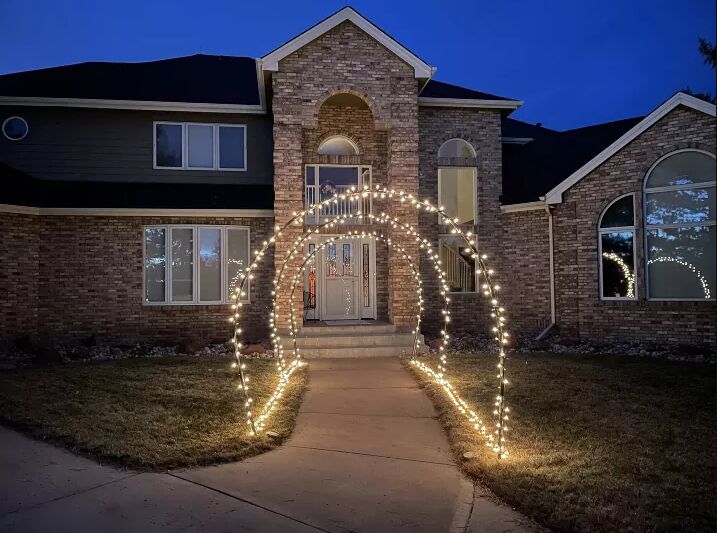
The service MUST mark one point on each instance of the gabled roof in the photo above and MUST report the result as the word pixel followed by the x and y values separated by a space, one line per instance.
pixel 441 94
pixel 199 82
pixel 555 195
pixel 531 169
pixel 271 60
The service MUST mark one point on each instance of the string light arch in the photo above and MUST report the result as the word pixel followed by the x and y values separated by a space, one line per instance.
pixel 489 289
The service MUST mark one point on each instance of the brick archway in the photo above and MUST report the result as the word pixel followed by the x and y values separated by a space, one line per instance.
pixel 381 121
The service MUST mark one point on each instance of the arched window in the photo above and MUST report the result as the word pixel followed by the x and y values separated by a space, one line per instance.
pixel 455 148
pixel 616 248
pixel 338 145
pixel 680 226
pixel 457 186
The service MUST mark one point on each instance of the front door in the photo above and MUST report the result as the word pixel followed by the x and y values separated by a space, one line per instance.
pixel 341 278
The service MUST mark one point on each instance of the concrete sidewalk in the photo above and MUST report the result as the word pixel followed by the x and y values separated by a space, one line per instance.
pixel 367 455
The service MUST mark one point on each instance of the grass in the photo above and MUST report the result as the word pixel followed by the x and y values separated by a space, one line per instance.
pixel 597 443
pixel 147 414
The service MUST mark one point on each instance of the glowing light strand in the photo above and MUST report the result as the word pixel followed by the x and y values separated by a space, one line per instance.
pixel 489 289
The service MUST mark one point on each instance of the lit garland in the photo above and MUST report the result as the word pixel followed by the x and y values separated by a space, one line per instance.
pixel 489 289
pixel 692 268
pixel 356 235
pixel 625 272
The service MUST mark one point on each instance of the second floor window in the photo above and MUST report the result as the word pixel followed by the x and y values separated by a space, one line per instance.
pixel 457 182
pixel 195 146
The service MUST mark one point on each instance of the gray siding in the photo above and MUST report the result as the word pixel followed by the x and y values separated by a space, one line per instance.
pixel 117 145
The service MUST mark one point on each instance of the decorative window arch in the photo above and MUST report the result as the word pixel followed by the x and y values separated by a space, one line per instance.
pixel 456 148
pixel 616 249
pixel 457 181
pixel 679 199
pixel 338 145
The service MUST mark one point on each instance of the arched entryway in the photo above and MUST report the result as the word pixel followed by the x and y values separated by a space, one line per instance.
pixel 490 289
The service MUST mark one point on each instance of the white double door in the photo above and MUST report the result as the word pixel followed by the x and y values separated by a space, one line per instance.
pixel 340 282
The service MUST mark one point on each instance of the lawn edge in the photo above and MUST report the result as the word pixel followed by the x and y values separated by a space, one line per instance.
pixel 298 383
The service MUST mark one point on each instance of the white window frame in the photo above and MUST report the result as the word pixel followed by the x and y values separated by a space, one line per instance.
pixel 621 229
pixel 647 190
pixel 313 217
pixel 224 271
pixel 442 220
pixel 445 236
pixel 473 150
pixel 185 140
pixel 342 137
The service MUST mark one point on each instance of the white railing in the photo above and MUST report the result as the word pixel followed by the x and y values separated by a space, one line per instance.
pixel 459 272
pixel 345 206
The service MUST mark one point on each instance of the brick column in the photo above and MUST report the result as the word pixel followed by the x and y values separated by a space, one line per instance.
pixel 403 175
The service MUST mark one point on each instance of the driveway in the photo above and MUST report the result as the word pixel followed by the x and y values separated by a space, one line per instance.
pixel 367 454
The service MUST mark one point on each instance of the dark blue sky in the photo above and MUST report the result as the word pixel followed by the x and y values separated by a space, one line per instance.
pixel 573 62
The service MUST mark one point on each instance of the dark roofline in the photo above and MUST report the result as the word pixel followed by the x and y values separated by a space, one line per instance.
pixel 21 189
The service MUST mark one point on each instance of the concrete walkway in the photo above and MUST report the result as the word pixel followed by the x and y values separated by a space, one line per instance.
pixel 367 455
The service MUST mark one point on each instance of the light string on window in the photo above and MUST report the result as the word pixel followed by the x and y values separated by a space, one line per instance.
pixel 691 267
pixel 489 289
pixel 626 271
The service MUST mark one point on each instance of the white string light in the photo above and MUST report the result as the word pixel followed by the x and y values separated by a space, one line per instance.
pixel 691 267
pixel 626 271
pixel 490 289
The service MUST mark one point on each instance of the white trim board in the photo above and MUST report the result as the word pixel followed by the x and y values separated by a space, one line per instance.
pixel 426 101
pixel 270 61
pixel 122 212
pixel 527 206
pixel 139 105
pixel 555 195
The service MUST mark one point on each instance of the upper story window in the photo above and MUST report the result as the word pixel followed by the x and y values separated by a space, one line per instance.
pixel 457 181
pixel 15 128
pixel 616 247
pixel 338 145
pixel 680 227
pixel 195 146
pixel 194 264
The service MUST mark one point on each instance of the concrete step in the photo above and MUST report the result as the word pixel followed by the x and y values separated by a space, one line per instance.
pixel 351 329
pixel 356 351
pixel 304 340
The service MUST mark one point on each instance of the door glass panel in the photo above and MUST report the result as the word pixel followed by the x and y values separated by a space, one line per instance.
pixel 312 278
pixel 347 267
pixel 331 260
pixel 365 277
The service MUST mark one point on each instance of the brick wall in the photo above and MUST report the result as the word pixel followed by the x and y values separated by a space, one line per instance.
pixel 481 128
pixel 19 268
pixel 347 60
pixel 90 283
pixel 580 311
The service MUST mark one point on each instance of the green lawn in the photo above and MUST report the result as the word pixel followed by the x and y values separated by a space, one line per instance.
pixel 147 413
pixel 597 443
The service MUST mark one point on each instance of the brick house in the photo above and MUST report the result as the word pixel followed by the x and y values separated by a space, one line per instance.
pixel 134 194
